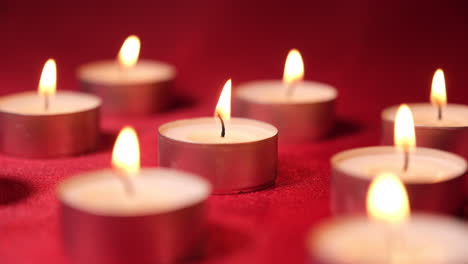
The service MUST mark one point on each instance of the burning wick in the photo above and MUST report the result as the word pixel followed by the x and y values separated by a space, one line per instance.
pixel 438 92
pixel 126 158
pixel 46 102
pixel 406 160
pixel 439 112
pixel 290 89
pixel 223 127
pixel 293 71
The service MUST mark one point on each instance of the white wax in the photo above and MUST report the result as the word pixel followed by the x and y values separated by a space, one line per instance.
pixel 63 102
pixel 275 92
pixel 110 72
pixel 207 130
pixel 425 239
pixel 425 165
pixel 157 190
pixel 425 114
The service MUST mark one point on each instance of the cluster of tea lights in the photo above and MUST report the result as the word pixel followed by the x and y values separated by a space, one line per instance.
pixel 129 214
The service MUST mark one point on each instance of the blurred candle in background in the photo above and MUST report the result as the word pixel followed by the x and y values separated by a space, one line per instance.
pixel 47 123
pixel 129 85
pixel 303 111
pixel 438 124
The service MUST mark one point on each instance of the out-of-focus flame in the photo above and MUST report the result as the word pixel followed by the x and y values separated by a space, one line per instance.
pixel 404 134
pixel 223 108
pixel 126 153
pixel 293 68
pixel 438 90
pixel 387 199
pixel 129 52
pixel 48 81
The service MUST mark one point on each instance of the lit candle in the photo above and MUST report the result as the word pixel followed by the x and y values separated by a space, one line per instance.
pixel 132 215
pixel 46 123
pixel 129 85
pixel 434 178
pixel 235 154
pixel 389 234
pixel 302 111
pixel 438 124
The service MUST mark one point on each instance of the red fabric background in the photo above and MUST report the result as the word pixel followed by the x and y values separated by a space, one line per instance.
pixel 377 53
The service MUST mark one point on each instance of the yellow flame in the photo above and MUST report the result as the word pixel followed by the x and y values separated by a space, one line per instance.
pixel 129 52
pixel 293 68
pixel 48 81
pixel 387 199
pixel 404 134
pixel 223 108
pixel 126 153
pixel 438 90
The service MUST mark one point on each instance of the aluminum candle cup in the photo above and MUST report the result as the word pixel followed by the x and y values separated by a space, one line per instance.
pixel 434 180
pixel 163 221
pixel 450 133
pixel 306 115
pixel 69 126
pixel 423 239
pixel 244 160
pixel 141 89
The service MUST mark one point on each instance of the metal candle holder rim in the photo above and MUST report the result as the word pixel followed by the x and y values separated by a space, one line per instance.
pixel 392 120
pixel 243 86
pixel 81 176
pixel 171 123
pixel 384 149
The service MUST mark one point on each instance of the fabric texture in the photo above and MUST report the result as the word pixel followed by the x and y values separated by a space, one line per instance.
pixel 377 53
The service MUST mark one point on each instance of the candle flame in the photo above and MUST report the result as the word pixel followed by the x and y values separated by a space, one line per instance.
pixel 387 199
pixel 404 134
pixel 48 81
pixel 438 90
pixel 223 108
pixel 129 52
pixel 293 68
pixel 126 153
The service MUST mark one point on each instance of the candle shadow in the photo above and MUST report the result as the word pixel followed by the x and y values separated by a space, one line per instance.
pixel 13 191
pixel 345 127
pixel 179 102
pixel 107 141
pixel 222 241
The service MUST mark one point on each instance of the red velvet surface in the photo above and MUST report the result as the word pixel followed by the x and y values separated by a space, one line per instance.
pixel 376 53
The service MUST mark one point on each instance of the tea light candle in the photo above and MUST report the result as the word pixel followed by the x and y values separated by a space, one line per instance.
pixel 49 124
pixel 235 155
pixel 440 125
pixel 434 178
pixel 149 215
pixel 129 86
pixel 302 111
pixel 389 236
